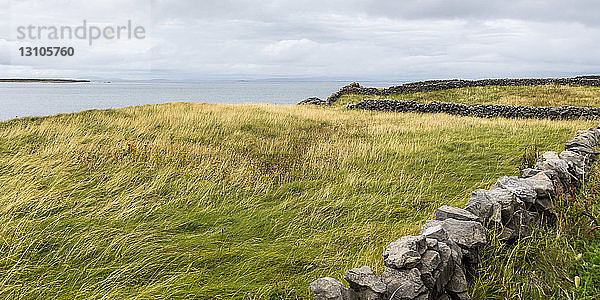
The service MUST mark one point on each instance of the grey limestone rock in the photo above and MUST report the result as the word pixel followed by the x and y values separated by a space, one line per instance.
pixel 523 191
pixel 404 284
pixel 578 164
pixel 467 234
pixel 443 297
pixel 405 252
pixel 582 140
pixel 436 232
pixel 559 166
pixel 451 212
pixel 541 183
pixel 507 234
pixel 365 283
pixel 330 289
pixel 550 155
pixel 517 225
pixel 485 204
pixel 447 266
pixel 430 263
pixel 432 244
pixel 313 101
pixel 400 257
pixel 584 151
pixel 528 172
pixel 458 284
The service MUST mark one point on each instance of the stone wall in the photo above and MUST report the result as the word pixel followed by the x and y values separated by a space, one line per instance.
pixel 435 263
pixel 483 111
pixel 438 85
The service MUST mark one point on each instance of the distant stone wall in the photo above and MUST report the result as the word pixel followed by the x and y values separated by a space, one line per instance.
pixel 482 111
pixel 438 85
pixel 435 263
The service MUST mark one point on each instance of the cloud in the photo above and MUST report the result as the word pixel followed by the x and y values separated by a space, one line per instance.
pixel 351 39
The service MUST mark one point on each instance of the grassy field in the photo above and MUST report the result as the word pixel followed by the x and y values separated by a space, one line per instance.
pixel 232 201
pixel 545 95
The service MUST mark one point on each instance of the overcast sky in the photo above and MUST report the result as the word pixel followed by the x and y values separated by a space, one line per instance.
pixel 339 39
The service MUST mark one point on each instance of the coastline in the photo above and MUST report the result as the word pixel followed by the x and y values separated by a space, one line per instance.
pixel 36 80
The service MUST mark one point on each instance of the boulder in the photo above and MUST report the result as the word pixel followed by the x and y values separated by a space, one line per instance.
pixel 405 252
pixel 594 133
pixel 451 212
pixel 528 172
pixel 486 206
pixel 545 205
pixel 447 266
pixel 550 155
pixel 517 225
pixel 365 283
pixel 417 243
pixel 555 177
pixel 541 184
pixel 436 232
pixel 400 258
pixel 582 140
pixel 584 151
pixel 404 284
pixel 578 164
pixel 330 289
pixel 469 235
pixel 522 191
pixel 431 264
pixel 559 166
pixel 509 204
pixel 432 244
pixel 458 286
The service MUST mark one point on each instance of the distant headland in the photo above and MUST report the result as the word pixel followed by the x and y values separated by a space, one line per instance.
pixel 34 80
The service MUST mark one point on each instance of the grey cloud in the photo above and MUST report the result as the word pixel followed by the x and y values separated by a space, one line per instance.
pixel 584 11
pixel 350 39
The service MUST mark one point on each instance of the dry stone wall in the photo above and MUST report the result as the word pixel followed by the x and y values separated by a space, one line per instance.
pixel 439 85
pixel 482 111
pixel 435 263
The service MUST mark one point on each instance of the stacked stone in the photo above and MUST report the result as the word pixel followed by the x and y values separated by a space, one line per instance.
pixel 438 85
pixel 353 88
pixel 482 111
pixel 313 101
pixel 434 264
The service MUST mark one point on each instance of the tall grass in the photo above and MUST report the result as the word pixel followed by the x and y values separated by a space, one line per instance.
pixel 232 201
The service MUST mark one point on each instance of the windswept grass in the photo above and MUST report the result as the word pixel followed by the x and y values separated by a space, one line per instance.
pixel 545 95
pixel 231 201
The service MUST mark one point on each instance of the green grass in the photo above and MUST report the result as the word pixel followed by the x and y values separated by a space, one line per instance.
pixel 232 201
pixel 545 95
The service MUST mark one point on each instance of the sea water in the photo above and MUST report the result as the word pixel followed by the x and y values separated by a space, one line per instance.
pixel 41 99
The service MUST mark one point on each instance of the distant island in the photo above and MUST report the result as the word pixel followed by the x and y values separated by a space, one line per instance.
pixel 44 80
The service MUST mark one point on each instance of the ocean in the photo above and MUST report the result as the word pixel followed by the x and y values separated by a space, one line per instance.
pixel 41 99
